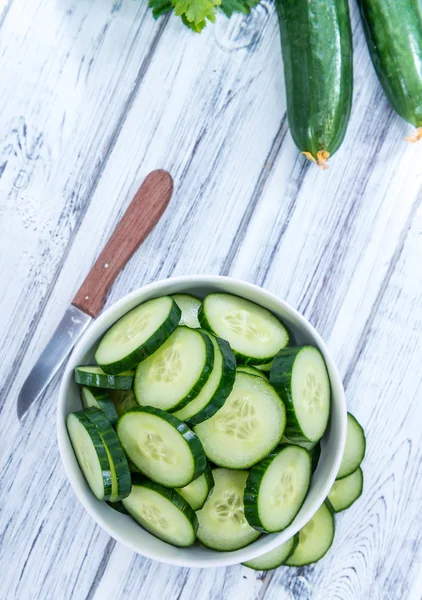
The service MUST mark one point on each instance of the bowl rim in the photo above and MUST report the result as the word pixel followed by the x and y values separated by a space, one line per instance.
pixel 223 558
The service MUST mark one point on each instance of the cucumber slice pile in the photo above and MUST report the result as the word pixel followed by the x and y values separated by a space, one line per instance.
pixel 253 332
pixel 166 396
pixel 175 374
pixel 248 426
pixel 222 522
pixel 189 305
pixel 276 488
pixel 300 377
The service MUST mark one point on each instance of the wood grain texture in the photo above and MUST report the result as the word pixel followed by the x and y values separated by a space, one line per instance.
pixel 142 214
pixel 95 95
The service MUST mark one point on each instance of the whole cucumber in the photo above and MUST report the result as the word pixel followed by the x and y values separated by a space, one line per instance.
pixel 393 30
pixel 316 43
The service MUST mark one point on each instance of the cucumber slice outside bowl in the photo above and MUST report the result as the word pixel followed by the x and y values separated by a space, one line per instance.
pixel 123 529
pixel 275 558
pixel 161 446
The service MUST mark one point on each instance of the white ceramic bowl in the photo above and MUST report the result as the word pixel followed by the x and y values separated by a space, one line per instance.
pixel 123 528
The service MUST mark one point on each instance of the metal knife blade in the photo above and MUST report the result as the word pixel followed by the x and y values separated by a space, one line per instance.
pixel 69 330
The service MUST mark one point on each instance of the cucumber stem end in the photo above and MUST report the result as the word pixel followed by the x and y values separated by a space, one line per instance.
pixel 321 158
pixel 415 137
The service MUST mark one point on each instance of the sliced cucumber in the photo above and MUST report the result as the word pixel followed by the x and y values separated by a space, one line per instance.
pixel 189 305
pixel 161 446
pixel 252 371
pixel 137 335
pixel 354 451
pixel 300 377
pixel 222 522
pixel 346 491
pixel 276 488
pixel 162 512
pixel 274 558
pixel 315 453
pixel 198 490
pixel 315 539
pixel 176 373
pixel 118 506
pixel 215 391
pixel 120 472
pixel 123 400
pixel 93 376
pixel 253 332
pixel 99 399
pixel 248 426
pixel 267 367
pixel 91 454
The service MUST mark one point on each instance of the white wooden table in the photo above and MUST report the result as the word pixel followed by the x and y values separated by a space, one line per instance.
pixel 93 95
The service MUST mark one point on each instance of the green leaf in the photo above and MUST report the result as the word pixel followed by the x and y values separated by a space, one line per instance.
pixel 195 13
pixel 160 7
pixel 229 7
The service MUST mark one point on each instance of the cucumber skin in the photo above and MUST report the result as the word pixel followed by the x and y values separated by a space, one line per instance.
pixel 253 484
pixel 276 564
pixel 352 470
pixel 200 460
pixel 252 371
pixel 280 379
pixel 393 30
pixel 316 40
pixel 104 401
pixel 168 493
pixel 100 449
pixel 149 347
pixel 223 390
pixel 117 454
pixel 123 381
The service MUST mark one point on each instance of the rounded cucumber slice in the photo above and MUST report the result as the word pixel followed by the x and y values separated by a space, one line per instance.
pixel 91 454
pixel 346 491
pixel 99 399
pixel 222 522
pixel 276 488
pixel 315 539
pixel 300 377
pixel 198 490
pixel 161 446
pixel 217 388
pixel 189 305
pixel 93 376
pixel 120 472
pixel 248 426
pixel 274 558
pixel 253 332
pixel 355 448
pixel 177 372
pixel 252 371
pixel 123 400
pixel 137 335
pixel 162 512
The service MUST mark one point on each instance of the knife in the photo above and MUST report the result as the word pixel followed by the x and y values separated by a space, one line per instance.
pixel 139 219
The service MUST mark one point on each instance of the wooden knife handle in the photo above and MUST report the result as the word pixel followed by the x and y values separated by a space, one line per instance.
pixel 139 219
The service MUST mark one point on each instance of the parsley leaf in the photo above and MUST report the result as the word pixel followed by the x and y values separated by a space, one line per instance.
pixel 238 6
pixel 159 7
pixel 194 13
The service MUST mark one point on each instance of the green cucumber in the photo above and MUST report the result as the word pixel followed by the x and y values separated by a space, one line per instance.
pixel 222 522
pixel 216 390
pixel 161 446
pixel 274 558
pixel 393 30
pixel 137 335
pixel 176 373
pixel 255 335
pixel 189 305
pixel 300 376
pixel 346 491
pixel 276 488
pixel 162 511
pixel 355 448
pixel 252 371
pixel 100 399
pixel 123 400
pixel 248 426
pixel 118 506
pixel 91 454
pixel 196 492
pixel 315 539
pixel 120 472
pixel 316 42
pixel 93 376
pixel 267 367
